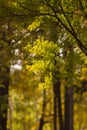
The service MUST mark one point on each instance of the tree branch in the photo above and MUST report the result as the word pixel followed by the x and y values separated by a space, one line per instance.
pixel 71 31
pixel 82 8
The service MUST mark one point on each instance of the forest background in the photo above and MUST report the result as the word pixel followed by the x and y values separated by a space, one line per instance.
pixel 43 65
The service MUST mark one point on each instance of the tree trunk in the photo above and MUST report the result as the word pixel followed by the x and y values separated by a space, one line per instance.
pixel 58 96
pixel 69 108
pixel 55 113
pixel 69 88
pixel 41 123
pixel 4 99
pixel 43 111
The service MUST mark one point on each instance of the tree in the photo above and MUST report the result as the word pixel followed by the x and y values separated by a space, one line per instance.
pixel 4 78
pixel 63 12
pixel 8 58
